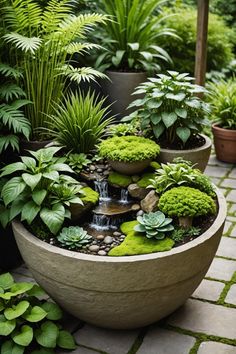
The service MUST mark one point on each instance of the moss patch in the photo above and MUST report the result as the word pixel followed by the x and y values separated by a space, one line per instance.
pixel 155 165
pixel 144 182
pixel 136 243
pixel 119 179
pixel 90 196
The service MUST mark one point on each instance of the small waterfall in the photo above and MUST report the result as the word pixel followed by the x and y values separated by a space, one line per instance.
pixel 103 222
pixel 102 188
pixel 124 196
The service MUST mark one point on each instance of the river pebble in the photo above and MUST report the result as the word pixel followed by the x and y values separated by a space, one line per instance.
pixel 94 248
pixel 108 239
pixel 102 253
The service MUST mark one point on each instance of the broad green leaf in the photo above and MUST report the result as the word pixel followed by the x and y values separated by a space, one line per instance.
pixel 45 154
pixel 181 112
pixel 65 340
pixel 147 55
pixel 177 97
pixel 53 311
pixel 32 180
pixel 29 162
pixel 137 103
pixel 16 310
pixel 52 175
pixel 43 351
pixel 158 130
pixel 47 335
pixel 29 211
pixel 134 46
pixel 2 305
pixel 6 327
pixel 12 168
pixel 152 104
pixel 168 118
pixel 16 207
pixel 53 218
pixel 36 314
pixel 23 337
pixel 20 288
pixel 193 104
pixel 9 347
pixel 4 216
pixel 36 291
pixel 63 167
pixel 183 133
pixel 6 281
pixel 116 60
pixel 12 189
pixel 155 118
pixel 38 196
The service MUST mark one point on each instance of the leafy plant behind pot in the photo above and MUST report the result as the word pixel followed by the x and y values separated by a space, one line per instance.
pixel 42 189
pixel 43 42
pixel 79 122
pixel 78 161
pixel 222 97
pixel 28 323
pixel 170 107
pixel 13 123
pixel 131 37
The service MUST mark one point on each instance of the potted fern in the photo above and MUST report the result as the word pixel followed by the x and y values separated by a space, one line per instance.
pixel 131 51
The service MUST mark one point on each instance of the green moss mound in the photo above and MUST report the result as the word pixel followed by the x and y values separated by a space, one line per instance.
pixel 144 182
pixel 186 201
pixel 155 165
pixel 119 179
pixel 128 148
pixel 136 243
pixel 90 196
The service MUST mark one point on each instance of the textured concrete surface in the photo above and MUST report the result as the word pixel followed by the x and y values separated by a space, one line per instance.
pixel 209 290
pixel 197 322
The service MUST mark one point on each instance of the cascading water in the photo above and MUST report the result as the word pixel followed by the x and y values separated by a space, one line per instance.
pixel 103 222
pixel 102 188
pixel 124 196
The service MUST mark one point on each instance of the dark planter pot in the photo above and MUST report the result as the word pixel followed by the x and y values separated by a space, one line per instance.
pixel 9 253
pixel 119 89
pixel 225 143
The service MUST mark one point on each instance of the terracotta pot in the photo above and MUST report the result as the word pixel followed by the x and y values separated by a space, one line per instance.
pixel 225 143
pixel 121 292
pixel 129 168
pixel 198 156
pixel 119 90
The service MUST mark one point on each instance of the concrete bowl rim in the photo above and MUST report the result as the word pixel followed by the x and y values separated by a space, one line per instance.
pixel 222 212
pixel 207 145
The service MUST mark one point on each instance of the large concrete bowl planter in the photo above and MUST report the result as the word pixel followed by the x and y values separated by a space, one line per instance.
pixel 129 168
pixel 121 292
pixel 198 156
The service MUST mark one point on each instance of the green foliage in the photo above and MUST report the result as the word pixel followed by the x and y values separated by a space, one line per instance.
pixel 130 37
pixel 42 190
pixel 135 243
pixel 226 9
pixel 89 196
pixel 219 43
pixel 177 174
pixel 186 201
pixel 73 237
pixel 79 122
pixel 43 42
pixel 170 107
pixel 119 179
pixel 144 181
pixel 128 148
pixel 155 225
pixel 13 123
pixel 78 161
pixel 27 323
pixel 180 233
pixel 222 97
pixel 123 129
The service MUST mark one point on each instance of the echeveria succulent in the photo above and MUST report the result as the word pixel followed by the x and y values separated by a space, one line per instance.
pixel 155 225
pixel 73 237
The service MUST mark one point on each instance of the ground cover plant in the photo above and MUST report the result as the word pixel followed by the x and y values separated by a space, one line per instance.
pixel 27 324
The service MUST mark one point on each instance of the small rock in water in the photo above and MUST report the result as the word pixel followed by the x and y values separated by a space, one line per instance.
pixel 116 233
pixel 94 248
pixel 102 253
pixel 140 213
pixel 135 207
pixel 108 240
pixel 100 237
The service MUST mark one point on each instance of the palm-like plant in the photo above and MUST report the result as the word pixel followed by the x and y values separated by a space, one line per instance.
pixel 44 41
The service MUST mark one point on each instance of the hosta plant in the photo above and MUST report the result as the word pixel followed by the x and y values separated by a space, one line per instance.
pixel 155 225
pixel 28 324
pixel 41 189
pixel 73 237
pixel 43 41
pixel 78 161
pixel 180 173
pixel 170 109
pixel 123 129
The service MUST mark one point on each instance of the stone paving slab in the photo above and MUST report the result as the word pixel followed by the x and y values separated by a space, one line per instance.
pixel 231 197
pixel 227 226
pixel 216 348
pixel 221 269
pixel 228 183
pixel 109 341
pixel 233 174
pixel 216 171
pixel 233 232
pixel 202 317
pixel 231 296
pixel 209 290
pixel 214 161
pixel 232 208
pixel 162 341
pixel 227 248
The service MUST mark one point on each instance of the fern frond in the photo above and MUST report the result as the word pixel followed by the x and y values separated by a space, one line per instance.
pixel 81 74
pixel 26 44
pixel 9 140
pixel 14 120
pixel 81 47
pixel 54 14
pixel 8 92
pixel 9 71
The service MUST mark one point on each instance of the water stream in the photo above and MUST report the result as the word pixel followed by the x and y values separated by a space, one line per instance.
pixel 124 196
pixel 102 188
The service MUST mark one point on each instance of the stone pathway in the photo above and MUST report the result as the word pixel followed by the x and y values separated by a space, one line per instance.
pixel 206 324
